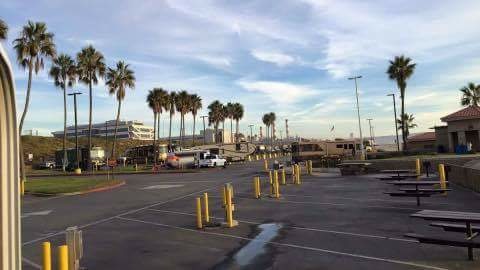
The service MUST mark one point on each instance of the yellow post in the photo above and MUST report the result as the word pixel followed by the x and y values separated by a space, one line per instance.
pixel 270 177
pixel 441 174
pixel 284 177
pixel 275 176
pixel 229 209
pixel 417 167
pixel 298 174
pixel 205 207
pixel 224 196
pixel 265 164
pixel 258 187
pixel 63 257
pixel 264 156
pixel 255 188
pixel 199 213
pixel 46 256
pixel 294 175
pixel 22 187
pixel 231 190
pixel 277 188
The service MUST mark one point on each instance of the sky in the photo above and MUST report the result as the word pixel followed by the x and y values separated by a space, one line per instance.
pixel 292 57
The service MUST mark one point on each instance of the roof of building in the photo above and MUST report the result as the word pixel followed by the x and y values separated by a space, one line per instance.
pixel 470 112
pixel 422 137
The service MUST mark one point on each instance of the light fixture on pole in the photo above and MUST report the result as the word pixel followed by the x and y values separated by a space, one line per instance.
pixel 395 119
pixel 362 149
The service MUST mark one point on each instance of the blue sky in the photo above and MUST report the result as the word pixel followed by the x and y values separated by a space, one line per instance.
pixel 292 57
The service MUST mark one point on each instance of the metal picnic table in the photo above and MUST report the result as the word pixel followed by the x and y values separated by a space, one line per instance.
pixel 453 216
pixel 415 183
pixel 397 172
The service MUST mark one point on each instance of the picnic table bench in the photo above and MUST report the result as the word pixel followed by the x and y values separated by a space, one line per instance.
pixel 397 172
pixel 416 192
pixel 401 177
pixel 451 216
pixel 352 168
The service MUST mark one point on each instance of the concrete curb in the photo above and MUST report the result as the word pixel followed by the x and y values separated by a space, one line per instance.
pixel 79 192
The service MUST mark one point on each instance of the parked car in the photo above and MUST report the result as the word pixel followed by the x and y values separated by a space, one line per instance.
pixel 47 165
pixel 212 160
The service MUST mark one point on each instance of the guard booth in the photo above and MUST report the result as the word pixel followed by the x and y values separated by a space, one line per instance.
pixel 10 249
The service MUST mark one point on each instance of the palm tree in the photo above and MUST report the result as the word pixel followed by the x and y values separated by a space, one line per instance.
pixel 225 114
pixel 401 69
pixel 266 122
pixel 153 104
pixel 90 66
pixel 117 81
pixel 64 73
pixel 230 111
pixel 3 30
pixel 470 94
pixel 195 105
pixel 183 107
pixel 408 121
pixel 237 115
pixel 170 106
pixel 33 45
pixel 272 118
pixel 215 116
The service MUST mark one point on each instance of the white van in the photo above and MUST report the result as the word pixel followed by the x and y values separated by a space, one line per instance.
pixel 211 160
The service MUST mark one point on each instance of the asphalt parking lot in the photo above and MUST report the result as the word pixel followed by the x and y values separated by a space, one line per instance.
pixel 327 222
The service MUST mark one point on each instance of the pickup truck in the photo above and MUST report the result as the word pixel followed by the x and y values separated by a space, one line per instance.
pixel 47 165
pixel 212 160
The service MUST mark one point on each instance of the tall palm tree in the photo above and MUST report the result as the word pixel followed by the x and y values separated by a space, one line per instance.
pixel 470 94
pixel 237 115
pixel 183 107
pixel 408 121
pixel 118 80
pixel 225 114
pixel 230 110
pixel 64 73
pixel 401 68
pixel 195 105
pixel 266 122
pixel 3 30
pixel 215 116
pixel 272 118
pixel 33 45
pixel 170 106
pixel 153 104
pixel 90 67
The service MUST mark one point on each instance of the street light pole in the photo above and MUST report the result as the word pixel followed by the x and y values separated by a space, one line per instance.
pixel 395 119
pixel 76 125
pixel 251 133
pixel 204 135
pixel 370 128
pixel 362 149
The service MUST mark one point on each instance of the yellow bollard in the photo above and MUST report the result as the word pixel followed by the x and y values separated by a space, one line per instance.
pixel 284 177
pixel 264 156
pixel 63 257
pixel 275 176
pixel 294 176
pixel 205 206
pixel 229 214
pixel 270 177
pixel 199 213
pixel 277 188
pixel 46 256
pixel 224 196
pixel 259 192
pixel 255 188
pixel 231 190
pixel 441 174
pixel 22 187
pixel 417 167
pixel 265 164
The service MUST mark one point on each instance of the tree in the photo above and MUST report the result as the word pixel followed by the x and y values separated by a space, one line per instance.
pixel 237 115
pixel 3 30
pixel 195 105
pixel 272 118
pixel 470 94
pixel 117 81
pixel 182 104
pixel 230 111
pixel 64 73
pixel 156 100
pixel 90 67
pixel 33 45
pixel 215 116
pixel 170 106
pixel 266 121
pixel 400 70
pixel 225 113
pixel 407 120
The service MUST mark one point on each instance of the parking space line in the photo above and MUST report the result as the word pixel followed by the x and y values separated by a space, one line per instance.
pixel 326 203
pixel 32 264
pixel 118 215
pixel 353 255
pixel 301 228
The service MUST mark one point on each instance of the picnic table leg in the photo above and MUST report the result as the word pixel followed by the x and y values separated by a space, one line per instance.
pixel 469 234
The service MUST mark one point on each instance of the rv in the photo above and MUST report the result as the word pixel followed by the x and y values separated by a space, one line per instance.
pixel 339 148
pixel 185 158
pixel 144 154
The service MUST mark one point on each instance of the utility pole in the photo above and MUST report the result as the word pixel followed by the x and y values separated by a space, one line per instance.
pixel 286 129
pixel 204 135
pixel 395 119
pixel 362 149
pixel 251 133
pixel 370 127
pixel 76 126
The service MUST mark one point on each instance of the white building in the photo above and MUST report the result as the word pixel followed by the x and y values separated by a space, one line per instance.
pixel 134 130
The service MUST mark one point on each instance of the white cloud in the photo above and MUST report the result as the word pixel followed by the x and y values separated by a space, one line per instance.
pixel 279 92
pixel 277 58
pixel 216 61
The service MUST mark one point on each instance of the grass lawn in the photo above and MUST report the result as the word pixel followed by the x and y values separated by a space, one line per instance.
pixel 57 185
